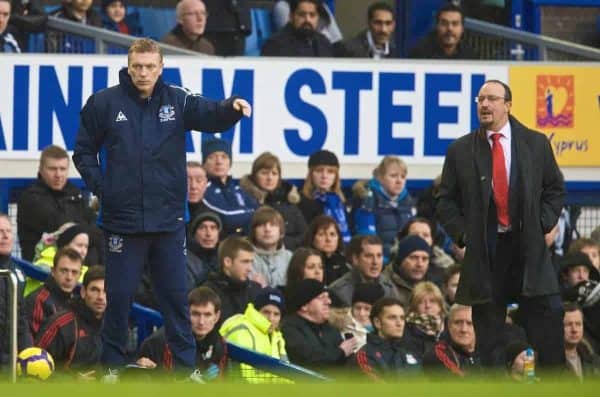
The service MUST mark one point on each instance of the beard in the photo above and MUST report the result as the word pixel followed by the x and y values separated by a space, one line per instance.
pixel 306 30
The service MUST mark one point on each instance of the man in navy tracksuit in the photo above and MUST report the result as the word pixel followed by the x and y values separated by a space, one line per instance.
pixel 136 129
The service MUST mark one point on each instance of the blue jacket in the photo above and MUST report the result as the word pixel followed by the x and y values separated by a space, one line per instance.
pixel 141 176
pixel 233 204
pixel 375 213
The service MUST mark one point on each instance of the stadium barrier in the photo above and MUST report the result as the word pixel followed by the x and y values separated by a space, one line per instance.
pixel 12 321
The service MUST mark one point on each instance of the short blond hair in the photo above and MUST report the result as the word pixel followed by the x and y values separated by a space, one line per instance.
pixel 420 291
pixel 144 45
pixel 386 163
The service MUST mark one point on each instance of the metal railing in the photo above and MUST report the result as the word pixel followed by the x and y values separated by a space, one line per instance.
pixel 499 42
pixel 12 321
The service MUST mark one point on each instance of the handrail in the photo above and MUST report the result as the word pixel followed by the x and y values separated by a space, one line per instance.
pixel 543 43
pixel 101 36
pixel 13 282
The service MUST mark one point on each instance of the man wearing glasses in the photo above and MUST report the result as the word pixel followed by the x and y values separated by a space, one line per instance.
pixel 189 32
pixel 501 193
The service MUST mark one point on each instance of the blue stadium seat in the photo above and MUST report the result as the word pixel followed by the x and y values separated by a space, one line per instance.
pixel 156 22
pixel 261 30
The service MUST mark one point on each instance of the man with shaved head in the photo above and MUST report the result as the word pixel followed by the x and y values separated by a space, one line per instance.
pixel 189 32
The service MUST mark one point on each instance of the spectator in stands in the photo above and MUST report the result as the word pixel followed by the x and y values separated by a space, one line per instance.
pixel 23 332
pixel 202 248
pixel 228 25
pixel 57 292
pixel 581 360
pixel 257 329
pixel 223 195
pixel 232 283
pixel 377 41
pixel 409 266
pixel 310 341
pixel 305 263
pixel 455 354
pixel 27 16
pixel 447 40
pixel 363 298
pixel 322 191
pixel 266 185
pixel 425 318
pixel 450 285
pixel 383 205
pixel 514 356
pixel 324 235
pixel 575 269
pixel 423 228
pixel 53 201
pixel 385 357
pixel 589 247
pixel 196 185
pixel 271 259
pixel 341 314
pixel 72 337
pixel 300 38
pixel 115 18
pixel 211 352
pixel 189 32
pixel 366 255
pixel 79 11
pixel 8 42
pixel 327 25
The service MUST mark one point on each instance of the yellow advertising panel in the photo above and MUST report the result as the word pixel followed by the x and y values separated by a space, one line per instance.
pixel 564 103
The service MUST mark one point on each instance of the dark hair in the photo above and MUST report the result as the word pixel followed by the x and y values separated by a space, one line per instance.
pixel 53 152
pixel 322 222
pixel 569 307
pixel 69 253
pixel 381 304
pixel 451 271
pixel 294 4
pixel 355 246
pixel 379 6
pixel 204 295
pixel 93 273
pixel 450 7
pixel 231 246
pixel 417 219
pixel 295 271
pixel 507 91
pixel 266 160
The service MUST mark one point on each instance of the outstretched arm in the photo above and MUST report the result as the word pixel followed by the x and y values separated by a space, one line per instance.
pixel 203 114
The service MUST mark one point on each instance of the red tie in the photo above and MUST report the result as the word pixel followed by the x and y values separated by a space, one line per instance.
pixel 500 180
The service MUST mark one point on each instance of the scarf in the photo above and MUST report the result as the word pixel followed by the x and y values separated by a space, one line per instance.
pixel 333 207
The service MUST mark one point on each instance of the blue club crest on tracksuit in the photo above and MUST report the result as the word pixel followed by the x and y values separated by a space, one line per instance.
pixel 166 113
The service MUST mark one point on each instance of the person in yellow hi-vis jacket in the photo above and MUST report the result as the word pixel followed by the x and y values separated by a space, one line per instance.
pixel 257 329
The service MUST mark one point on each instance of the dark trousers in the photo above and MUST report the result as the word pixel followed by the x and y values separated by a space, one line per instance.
pixel 540 316
pixel 126 256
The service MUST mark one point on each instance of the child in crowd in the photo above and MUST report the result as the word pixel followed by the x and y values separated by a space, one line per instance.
pixel 115 18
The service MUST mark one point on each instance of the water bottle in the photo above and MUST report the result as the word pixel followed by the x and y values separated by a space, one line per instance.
pixel 529 366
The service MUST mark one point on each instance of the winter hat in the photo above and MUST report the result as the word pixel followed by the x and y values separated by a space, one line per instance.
pixel 408 245
pixel 336 301
pixel 512 350
pixel 323 157
pixel 215 145
pixel 106 3
pixel 69 234
pixel 368 293
pixel 269 296
pixel 205 216
pixel 303 292
pixel 579 259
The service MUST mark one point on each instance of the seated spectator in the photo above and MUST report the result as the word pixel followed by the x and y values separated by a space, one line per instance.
pixel 588 247
pixel 446 41
pixel 300 38
pixel 265 183
pixel 228 25
pixel 196 186
pixel 324 235
pixel 79 11
pixel 363 298
pixel 384 357
pixel 515 359
pixel 377 41
pixel 211 352
pixel 310 341
pixel 305 263
pixel 202 247
pixel 257 329
pixel 115 18
pixel 271 259
pixel 450 285
pixel 232 282
pixel 68 235
pixel 322 191
pixel 581 359
pixel 454 355
pixel 366 255
pixel 327 25
pixel 223 195
pixel 57 292
pixel 8 42
pixel 189 32
pixel 425 319
pixel 73 337
pixel 53 201
pixel 576 269
pixel 26 16
pixel 342 317
pixel 383 205
pixel 6 263
pixel 409 266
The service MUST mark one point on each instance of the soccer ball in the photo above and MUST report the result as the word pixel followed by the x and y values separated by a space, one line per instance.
pixel 34 362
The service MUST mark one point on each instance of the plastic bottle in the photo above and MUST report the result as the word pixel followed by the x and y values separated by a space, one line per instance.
pixel 529 366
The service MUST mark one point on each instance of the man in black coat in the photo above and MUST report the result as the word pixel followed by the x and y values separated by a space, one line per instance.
pixel 501 192
pixel 299 38
pixel 228 25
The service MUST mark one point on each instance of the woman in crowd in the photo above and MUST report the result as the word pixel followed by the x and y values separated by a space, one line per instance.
pixel 324 235
pixel 305 263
